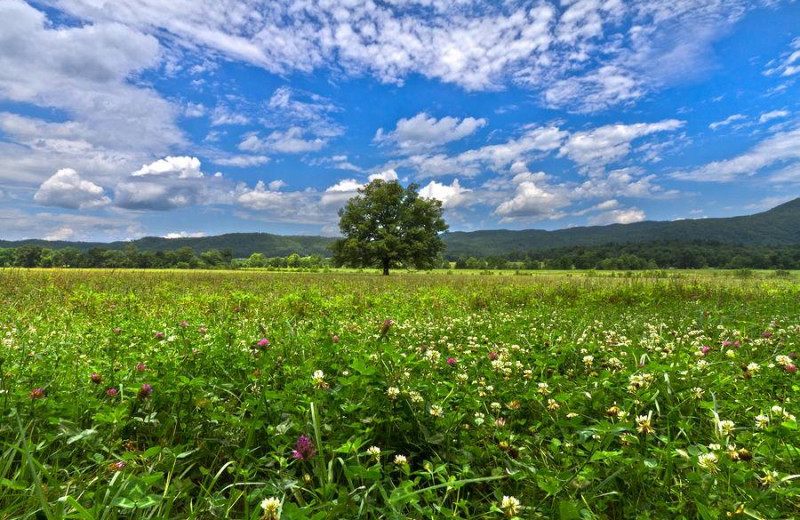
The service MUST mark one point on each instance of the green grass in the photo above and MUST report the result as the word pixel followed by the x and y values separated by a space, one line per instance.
pixel 549 374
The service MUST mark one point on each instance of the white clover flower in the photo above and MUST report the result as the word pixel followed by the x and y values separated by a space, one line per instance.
pixel 783 360
pixel 553 405
pixel 762 421
pixel 400 460
pixel 271 507
pixel 436 411
pixel 374 451
pixel 510 506
pixel 415 397
pixel 392 392
pixel 725 427
pixel 708 461
pixel 753 367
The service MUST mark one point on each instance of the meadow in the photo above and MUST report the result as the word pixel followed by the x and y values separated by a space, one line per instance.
pixel 148 395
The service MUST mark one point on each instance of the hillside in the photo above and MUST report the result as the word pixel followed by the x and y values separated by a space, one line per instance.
pixel 778 226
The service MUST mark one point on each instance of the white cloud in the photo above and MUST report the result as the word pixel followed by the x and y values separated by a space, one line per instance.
pixel 242 161
pixel 596 148
pixel 727 121
pixel 386 175
pixel 294 107
pixel 618 216
pixel 181 167
pixel 423 132
pixel 66 189
pixel 774 114
pixel 224 116
pixel 17 225
pixel 533 199
pixel 579 46
pixel 291 141
pixel 185 234
pixel 194 110
pixel 789 62
pixel 85 71
pixel 451 196
pixel 170 183
pixel 782 147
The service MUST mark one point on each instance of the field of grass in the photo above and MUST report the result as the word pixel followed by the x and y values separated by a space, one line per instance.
pixel 335 396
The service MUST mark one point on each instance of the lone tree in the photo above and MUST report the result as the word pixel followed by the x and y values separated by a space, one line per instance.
pixel 387 225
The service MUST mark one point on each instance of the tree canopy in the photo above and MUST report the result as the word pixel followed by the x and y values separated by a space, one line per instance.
pixel 389 226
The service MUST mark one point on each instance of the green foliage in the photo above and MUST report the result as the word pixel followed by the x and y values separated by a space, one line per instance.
pixel 388 226
pixel 544 399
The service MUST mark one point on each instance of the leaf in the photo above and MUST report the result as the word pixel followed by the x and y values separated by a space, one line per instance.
pixel 567 510
pixel 82 435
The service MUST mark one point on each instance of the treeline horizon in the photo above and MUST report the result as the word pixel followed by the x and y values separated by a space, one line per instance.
pixel 626 256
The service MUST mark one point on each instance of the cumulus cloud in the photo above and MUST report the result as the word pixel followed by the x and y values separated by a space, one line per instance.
pixel 533 199
pixel 423 132
pixel 66 189
pixel 185 234
pixel 85 71
pixel 170 183
pixel 451 196
pixel 618 216
pixel 386 175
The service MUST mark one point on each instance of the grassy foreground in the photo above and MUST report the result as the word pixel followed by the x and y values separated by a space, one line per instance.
pixel 330 396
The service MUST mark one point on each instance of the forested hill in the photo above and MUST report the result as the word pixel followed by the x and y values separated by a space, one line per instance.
pixel 778 226
pixel 241 244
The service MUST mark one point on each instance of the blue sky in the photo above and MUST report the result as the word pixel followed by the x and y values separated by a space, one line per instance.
pixel 121 119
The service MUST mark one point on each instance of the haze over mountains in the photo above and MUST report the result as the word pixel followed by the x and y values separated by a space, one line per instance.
pixel 778 226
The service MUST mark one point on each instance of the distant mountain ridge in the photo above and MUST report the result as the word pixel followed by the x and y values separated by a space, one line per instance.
pixel 778 226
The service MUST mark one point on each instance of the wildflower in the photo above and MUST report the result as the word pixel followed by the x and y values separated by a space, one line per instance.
pixel 791 368
pixel 462 377
pixel 263 342
pixel 708 461
pixel 415 397
pixel 762 421
pixel 783 360
pixel 159 335
pixel 271 507
pixel 117 466
pixel 510 506
pixel 613 411
pixel 375 452
pixel 725 427
pixel 500 422
pixel 335 338
pixel 698 392
pixel 588 361
pixel 769 478
pixel 400 460
pixel 644 423
pixel 202 330
pixel 145 391
pixel 303 449
pixel 451 361
pixel 37 393
pixel 543 388
pixel 493 355
pixel 393 393
pixel 766 334
pixel 141 367
pixel 436 411
pixel 184 324
pixel 571 415
pixel 753 367
pixel 117 330
pixel 705 349
pixel 553 405
pixel 96 378
pixel 112 392
pixel 495 406
pixel 318 378
pixel 387 324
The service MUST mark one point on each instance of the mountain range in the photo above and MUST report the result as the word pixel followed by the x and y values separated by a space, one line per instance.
pixel 777 226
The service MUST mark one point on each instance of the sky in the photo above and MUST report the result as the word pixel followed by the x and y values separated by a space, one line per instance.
pixel 129 118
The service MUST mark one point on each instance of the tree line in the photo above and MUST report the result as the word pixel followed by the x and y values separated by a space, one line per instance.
pixel 648 255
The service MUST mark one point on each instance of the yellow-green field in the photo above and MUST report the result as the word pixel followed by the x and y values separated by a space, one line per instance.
pixel 255 394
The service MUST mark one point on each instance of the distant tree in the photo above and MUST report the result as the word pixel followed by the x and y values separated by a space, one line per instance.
pixel 28 256
pixel 389 226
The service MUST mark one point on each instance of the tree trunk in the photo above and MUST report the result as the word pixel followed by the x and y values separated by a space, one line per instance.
pixel 386 267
